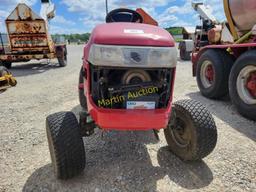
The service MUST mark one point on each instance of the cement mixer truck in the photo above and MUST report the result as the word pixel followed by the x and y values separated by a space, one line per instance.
pixel 224 57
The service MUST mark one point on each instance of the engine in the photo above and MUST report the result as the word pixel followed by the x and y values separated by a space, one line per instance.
pixel 131 88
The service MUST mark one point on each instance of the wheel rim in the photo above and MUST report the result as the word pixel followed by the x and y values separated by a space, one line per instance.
pixel 180 133
pixel 246 85
pixel 207 74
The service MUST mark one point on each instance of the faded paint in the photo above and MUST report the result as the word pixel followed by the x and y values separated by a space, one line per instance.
pixel 23 12
pixel 27 31
pixel 28 37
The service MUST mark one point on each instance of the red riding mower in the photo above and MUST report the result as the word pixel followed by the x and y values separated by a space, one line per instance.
pixel 6 79
pixel 126 83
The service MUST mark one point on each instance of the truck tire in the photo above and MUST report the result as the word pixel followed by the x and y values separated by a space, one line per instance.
pixel 82 97
pixel 212 73
pixel 6 64
pixel 62 61
pixel 191 133
pixel 242 84
pixel 65 144
pixel 184 55
pixel 62 56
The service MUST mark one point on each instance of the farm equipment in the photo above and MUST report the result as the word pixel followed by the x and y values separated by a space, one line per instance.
pixel 126 83
pixel 224 57
pixel 187 45
pixel 28 37
pixel 6 79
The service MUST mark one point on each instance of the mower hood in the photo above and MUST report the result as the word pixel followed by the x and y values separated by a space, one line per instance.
pixel 131 34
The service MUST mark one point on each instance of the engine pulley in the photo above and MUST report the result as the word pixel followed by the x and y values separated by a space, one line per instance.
pixel 135 76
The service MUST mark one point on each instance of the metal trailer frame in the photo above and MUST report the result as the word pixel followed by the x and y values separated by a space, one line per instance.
pixel 29 38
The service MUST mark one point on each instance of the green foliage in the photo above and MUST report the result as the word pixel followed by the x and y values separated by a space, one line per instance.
pixel 175 30
pixel 85 36
pixel 74 37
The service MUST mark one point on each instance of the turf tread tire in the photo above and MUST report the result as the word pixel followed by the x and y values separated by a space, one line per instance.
pixel 203 128
pixel 65 144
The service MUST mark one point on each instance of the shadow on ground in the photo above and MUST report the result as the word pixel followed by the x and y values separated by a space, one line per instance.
pixel 227 112
pixel 120 170
pixel 120 161
pixel 25 69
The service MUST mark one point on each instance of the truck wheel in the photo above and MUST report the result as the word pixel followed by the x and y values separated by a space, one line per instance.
pixel 6 64
pixel 242 84
pixel 184 55
pixel 213 72
pixel 65 144
pixel 62 56
pixel 82 98
pixel 63 60
pixel 191 133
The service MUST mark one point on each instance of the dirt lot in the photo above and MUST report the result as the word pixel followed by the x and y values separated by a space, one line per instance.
pixel 118 161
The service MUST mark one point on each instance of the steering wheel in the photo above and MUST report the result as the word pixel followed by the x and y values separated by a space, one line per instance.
pixel 124 15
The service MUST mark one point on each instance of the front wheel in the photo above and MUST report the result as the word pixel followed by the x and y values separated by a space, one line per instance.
pixel 191 133
pixel 242 84
pixel 65 144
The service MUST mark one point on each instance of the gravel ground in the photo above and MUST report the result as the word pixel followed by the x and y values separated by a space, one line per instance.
pixel 116 161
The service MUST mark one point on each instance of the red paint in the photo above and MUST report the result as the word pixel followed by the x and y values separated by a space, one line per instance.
pixel 122 119
pixel 251 84
pixel 209 73
pixel 114 34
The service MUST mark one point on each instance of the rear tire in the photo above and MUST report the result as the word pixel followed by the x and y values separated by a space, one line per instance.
pixel 240 95
pixel 191 133
pixel 65 144
pixel 6 64
pixel 184 55
pixel 220 63
pixel 62 61
pixel 82 98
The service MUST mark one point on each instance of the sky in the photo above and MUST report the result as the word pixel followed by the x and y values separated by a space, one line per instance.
pixel 80 16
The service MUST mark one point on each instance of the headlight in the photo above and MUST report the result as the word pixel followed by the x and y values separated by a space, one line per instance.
pixel 133 56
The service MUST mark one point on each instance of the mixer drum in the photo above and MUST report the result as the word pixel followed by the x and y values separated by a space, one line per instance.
pixel 243 13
